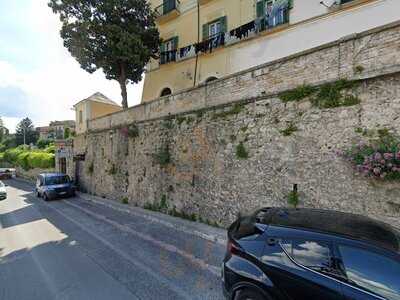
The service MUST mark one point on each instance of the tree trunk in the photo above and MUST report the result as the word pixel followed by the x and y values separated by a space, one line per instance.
pixel 122 83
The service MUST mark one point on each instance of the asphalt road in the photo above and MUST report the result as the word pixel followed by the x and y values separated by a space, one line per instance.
pixel 76 249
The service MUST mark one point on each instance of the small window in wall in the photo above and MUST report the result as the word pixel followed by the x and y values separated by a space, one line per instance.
pixel 166 92
pixel 80 117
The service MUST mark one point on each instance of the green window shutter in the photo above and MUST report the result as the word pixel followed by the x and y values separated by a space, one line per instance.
pixel 223 24
pixel 162 47
pixel 260 8
pixel 205 31
pixel 175 41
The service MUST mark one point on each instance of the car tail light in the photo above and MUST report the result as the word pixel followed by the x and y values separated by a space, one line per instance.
pixel 232 248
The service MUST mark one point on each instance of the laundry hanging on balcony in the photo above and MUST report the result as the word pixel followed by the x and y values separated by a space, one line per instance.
pixel 210 44
pixel 243 31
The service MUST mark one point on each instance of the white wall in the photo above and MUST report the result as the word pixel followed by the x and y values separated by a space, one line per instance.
pixel 313 34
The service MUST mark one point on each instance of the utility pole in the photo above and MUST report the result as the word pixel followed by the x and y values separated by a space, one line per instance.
pixel 24 135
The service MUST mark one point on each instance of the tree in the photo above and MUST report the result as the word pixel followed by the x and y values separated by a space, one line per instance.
pixel 117 36
pixel 25 132
pixel 2 130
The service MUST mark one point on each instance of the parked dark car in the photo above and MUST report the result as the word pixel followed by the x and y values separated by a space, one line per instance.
pixel 54 185
pixel 5 174
pixel 307 254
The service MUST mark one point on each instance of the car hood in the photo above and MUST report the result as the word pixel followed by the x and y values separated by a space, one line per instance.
pixel 3 190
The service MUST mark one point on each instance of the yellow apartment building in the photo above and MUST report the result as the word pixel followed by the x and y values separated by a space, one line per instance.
pixel 204 40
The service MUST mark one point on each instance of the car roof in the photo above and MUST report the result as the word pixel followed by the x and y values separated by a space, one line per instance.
pixel 334 222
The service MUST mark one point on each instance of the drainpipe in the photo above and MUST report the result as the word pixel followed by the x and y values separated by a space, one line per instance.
pixel 198 41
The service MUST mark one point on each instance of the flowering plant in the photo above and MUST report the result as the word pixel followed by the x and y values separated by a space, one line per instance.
pixel 380 158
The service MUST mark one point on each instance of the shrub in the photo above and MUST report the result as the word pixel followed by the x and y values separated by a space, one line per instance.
pixel 379 158
pixel 293 199
pixel 43 143
pixel 50 149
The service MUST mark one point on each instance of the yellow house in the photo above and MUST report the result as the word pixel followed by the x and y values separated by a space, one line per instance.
pixel 204 40
pixel 93 107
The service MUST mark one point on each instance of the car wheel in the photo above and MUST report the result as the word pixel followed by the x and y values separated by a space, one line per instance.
pixel 45 197
pixel 37 194
pixel 247 294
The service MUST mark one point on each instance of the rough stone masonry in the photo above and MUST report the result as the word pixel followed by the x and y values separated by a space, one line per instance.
pixel 233 145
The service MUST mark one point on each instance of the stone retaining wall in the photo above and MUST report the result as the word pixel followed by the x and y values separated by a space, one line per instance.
pixel 201 172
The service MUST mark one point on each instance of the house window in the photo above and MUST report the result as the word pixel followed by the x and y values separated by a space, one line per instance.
pixel 214 28
pixel 80 117
pixel 271 13
pixel 168 50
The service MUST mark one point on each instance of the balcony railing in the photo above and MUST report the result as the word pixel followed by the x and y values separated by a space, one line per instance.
pixel 168 9
pixel 168 56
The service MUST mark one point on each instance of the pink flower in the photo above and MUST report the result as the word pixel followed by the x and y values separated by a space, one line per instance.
pixel 388 156
pixel 378 156
pixel 377 171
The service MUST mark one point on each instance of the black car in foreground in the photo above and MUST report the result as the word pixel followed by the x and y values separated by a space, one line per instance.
pixel 309 254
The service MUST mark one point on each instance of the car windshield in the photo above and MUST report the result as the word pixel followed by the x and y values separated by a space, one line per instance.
pixel 57 180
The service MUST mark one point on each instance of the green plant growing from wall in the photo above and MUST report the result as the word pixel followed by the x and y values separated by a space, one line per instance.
pixel 293 199
pixel 330 95
pixel 297 94
pixel 180 120
pixel 125 200
pixel 168 124
pixel 241 152
pixel 113 170
pixel 234 110
pixel 133 131
pixel 358 69
pixel 289 130
pixel 163 156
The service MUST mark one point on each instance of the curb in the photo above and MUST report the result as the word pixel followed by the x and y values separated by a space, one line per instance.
pixel 201 230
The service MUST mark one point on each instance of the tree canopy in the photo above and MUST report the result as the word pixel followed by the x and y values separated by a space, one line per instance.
pixel 117 36
pixel 26 128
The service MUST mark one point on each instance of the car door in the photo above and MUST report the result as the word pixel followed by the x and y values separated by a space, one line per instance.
pixel 309 270
pixel 371 275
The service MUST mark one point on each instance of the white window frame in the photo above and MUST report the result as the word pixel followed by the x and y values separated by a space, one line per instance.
pixel 214 28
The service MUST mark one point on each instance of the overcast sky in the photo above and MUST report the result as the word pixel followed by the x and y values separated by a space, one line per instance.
pixel 39 79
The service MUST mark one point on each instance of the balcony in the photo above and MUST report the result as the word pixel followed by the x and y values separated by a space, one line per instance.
pixel 168 10
pixel 167 57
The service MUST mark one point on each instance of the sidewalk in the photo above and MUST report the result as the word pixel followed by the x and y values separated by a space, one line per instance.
pixel 201 230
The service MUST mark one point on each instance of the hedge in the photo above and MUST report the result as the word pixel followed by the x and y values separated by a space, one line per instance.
pixel 29 159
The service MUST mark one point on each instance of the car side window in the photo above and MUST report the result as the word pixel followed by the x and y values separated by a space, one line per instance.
pixel 315 255
pixel 373 272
